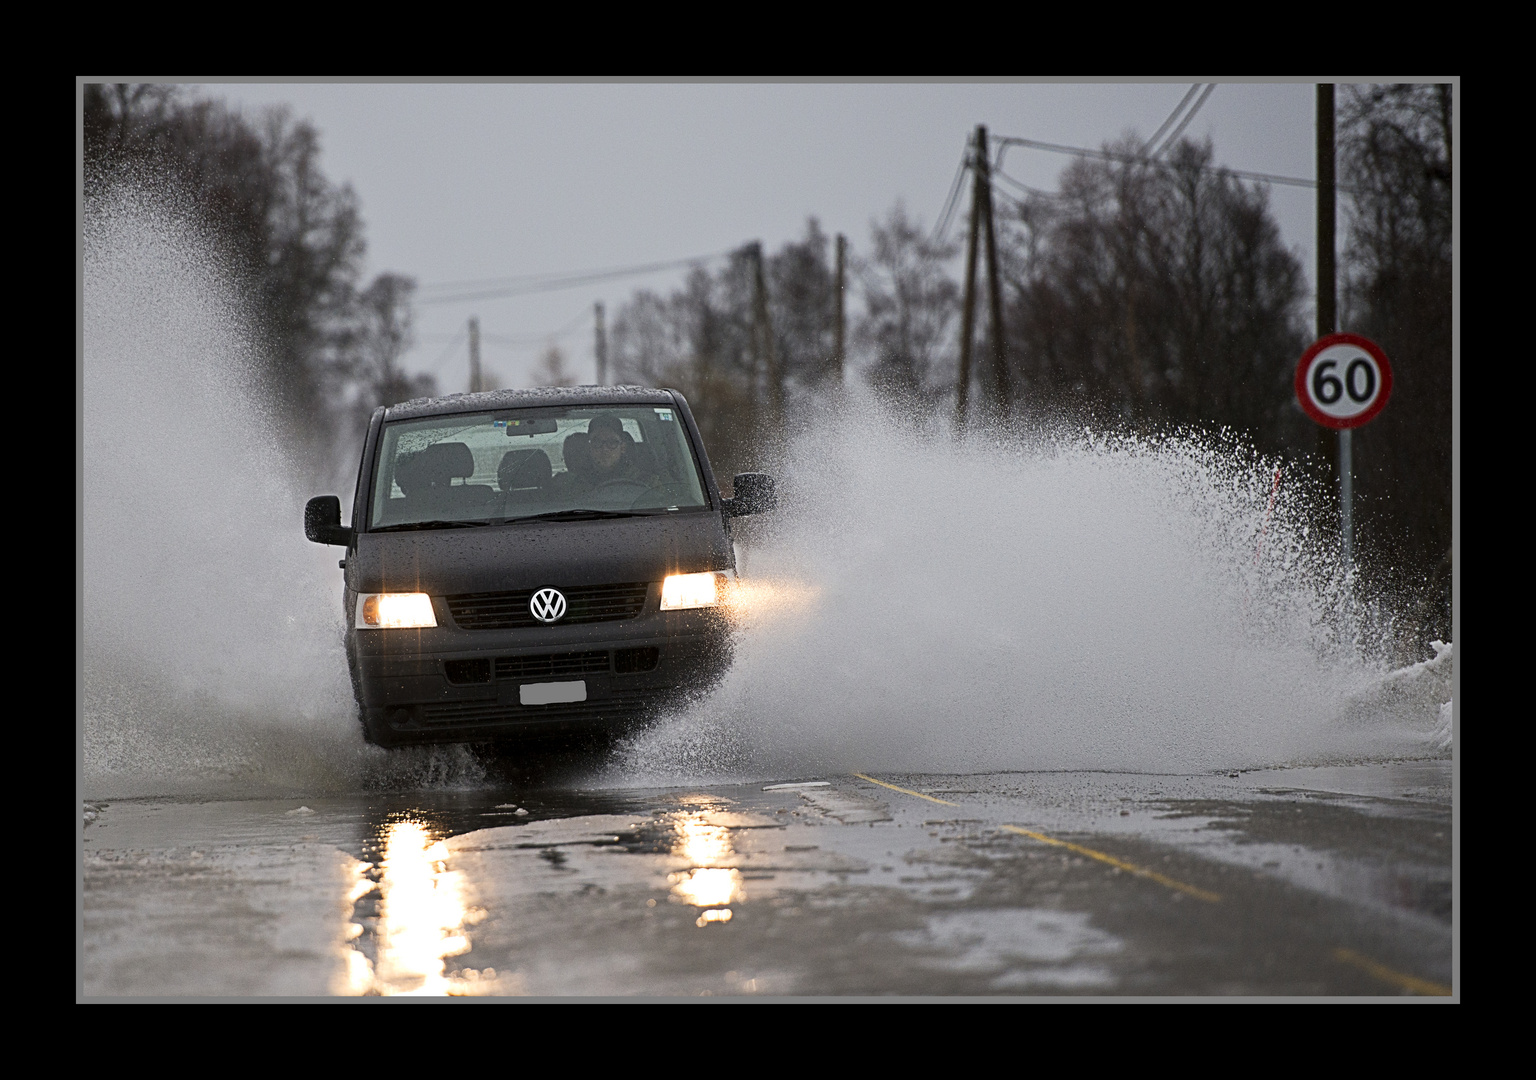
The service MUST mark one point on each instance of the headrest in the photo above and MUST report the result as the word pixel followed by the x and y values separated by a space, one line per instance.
pixel 441 462
pixel 578 455
pixel 407 474
pixel 523 469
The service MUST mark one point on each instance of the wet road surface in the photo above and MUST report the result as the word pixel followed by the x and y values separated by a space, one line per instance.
pixel 1321 881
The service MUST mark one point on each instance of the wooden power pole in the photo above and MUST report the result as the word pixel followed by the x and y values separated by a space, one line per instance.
pixel 474 356
pixel 600 345
pixel 983 227
pixel 767 355
pixel 1330 444
pixel 1002 381
pixel 968 305
pixel 839 312
pixel 1327 291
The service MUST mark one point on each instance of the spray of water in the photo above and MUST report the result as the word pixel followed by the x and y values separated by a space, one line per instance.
pixel 212 636
pixel 921 602
pixel 1045 601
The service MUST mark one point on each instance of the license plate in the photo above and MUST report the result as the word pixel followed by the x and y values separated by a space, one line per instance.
pixel 552 693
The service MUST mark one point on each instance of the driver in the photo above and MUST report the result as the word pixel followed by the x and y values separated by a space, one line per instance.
pixel 612 453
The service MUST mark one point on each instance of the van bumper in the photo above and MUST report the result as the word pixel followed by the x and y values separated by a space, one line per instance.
pixel 446 685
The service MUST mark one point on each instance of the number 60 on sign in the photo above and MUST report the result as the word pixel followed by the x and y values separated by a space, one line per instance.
pixel 1343 381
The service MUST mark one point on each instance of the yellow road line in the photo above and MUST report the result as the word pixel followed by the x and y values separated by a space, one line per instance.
pixel 1131 868
pixel 904 791
pixel 1388 975
pixel 1121 864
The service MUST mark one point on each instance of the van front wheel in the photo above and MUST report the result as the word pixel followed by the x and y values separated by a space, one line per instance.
pixel 375 729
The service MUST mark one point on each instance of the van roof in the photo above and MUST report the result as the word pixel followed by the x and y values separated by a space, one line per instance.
pixel 542 395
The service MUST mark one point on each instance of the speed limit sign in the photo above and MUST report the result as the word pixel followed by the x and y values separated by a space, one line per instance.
pixel 1343 381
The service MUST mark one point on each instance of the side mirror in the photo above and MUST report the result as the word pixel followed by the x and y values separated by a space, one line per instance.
pixel 322 521
pixel 754 495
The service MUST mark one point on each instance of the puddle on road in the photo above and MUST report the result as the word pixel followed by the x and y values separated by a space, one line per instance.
pixel 474 886
pixel 439 896
pixel 824 889
pixel 1016 948
pixel 1406 873
pixel 410 917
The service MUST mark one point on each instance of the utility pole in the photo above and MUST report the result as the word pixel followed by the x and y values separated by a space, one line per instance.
pixel 474 355
pixel 767 355
pixel 982 228
pixel 968 306
pixel 1327 302
pixel 838 310
pixel 600 346
pixel 1001 379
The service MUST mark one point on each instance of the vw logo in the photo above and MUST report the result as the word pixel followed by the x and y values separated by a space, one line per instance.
pixel 547 605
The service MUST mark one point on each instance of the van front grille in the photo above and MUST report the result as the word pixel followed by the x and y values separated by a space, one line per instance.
pixel 584 604
pixel 467 672
pixel 630 661
pixel 552 664
pixel 485 713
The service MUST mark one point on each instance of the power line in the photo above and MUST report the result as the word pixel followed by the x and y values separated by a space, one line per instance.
pixel 1158 134
pixel 1173 136
pixel 1011 197
pixel 492 288
pixel 1022 186
pixel 1138 159
pixel 538 339
pixel 518 280
pixel 941 226
pixel 1023 204
pixel 437 365
pixel 505 340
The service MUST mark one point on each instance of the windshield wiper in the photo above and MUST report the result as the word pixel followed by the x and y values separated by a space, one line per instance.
pixel 581 515
pixel 437 524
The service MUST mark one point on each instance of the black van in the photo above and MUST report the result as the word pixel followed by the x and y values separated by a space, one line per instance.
pixel 529 562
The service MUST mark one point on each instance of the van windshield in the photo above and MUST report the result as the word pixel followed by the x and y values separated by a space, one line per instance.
pixel 491 467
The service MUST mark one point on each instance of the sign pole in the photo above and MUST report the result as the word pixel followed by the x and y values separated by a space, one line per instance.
pixel 1346 496
pixel 1342 382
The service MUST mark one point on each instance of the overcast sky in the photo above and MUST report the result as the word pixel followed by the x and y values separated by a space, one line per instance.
pixel 474 181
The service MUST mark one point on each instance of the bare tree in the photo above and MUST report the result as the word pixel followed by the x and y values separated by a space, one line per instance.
pixel 378 335
pixel 551 370
pixel 700 341
pixel 293 238
pixel 800 301
pixel 1395 156
pixel 911 305
pixel 1155 291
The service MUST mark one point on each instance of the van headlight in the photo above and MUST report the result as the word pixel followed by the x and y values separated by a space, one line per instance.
pixel 378 611
pixel 696 590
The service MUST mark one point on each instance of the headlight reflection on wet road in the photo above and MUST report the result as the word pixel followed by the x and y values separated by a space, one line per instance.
pixel 422 918
pixel 705 886
pixel 703 844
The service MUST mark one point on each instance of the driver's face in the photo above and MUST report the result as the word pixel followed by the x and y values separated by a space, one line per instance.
pixel 606 450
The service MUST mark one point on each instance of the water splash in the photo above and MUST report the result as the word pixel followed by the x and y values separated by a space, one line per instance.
pixel 1045 601
pixel 921 603
pixel 212 633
